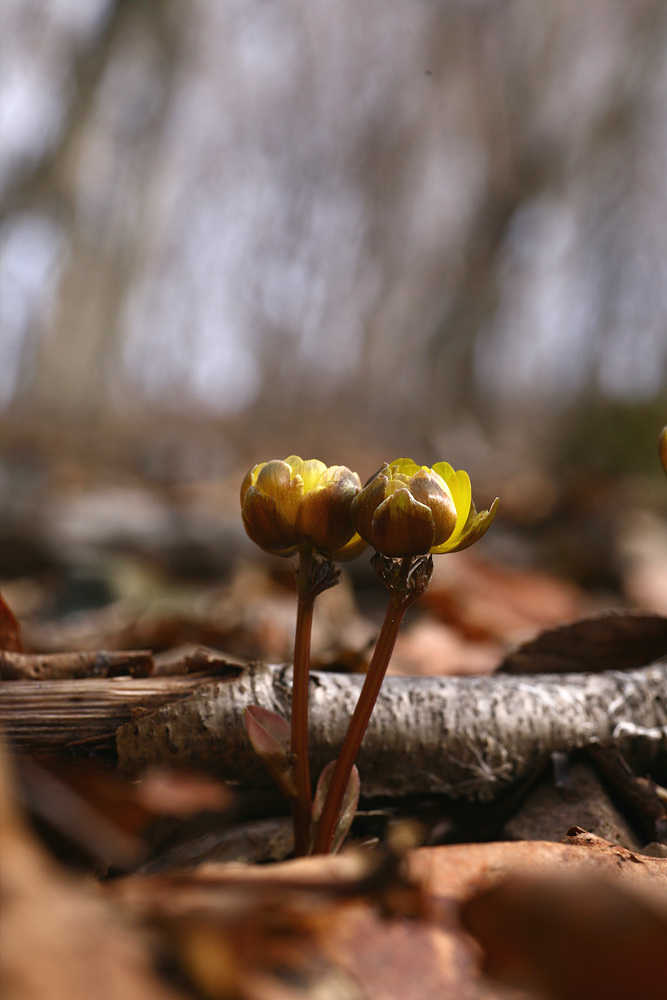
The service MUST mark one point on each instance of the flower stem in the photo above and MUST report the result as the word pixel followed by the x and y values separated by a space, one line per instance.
pixel 406 580
pixel 302 804
pixel 358 724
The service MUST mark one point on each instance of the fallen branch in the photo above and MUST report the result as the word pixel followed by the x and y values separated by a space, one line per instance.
pixel 462 736
pixel 60 666
pixel 56 717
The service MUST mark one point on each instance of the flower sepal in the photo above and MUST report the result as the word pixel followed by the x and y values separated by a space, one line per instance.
pixel 406 579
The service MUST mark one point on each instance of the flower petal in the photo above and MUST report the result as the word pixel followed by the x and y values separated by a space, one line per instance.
pixel 461 490
pixel 275 480
pixel 310 470
pixel 405 467
pixel 478 525
pixel 340 473
pixel 272 477
pixel 402 526
pixel 248 480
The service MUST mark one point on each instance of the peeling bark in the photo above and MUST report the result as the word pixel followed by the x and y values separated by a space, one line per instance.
pixel 466 737
pixel 54 717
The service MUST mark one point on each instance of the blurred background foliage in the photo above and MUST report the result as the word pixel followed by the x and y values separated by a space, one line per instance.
pixel 236 230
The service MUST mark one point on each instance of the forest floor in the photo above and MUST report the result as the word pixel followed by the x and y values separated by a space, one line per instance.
pixel 165 880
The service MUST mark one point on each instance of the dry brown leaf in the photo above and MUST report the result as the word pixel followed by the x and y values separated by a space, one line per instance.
pixel 456 871
pixel 614 640
pixel 582 937
pixel 307 924
pixel 317 926
pixel 575 795
pixel 429 648
pixel 10 631
pixel 254 932
pixel 484 600
pixel 180 793
pixel 60 940
pixel 642 546
pixel 293 932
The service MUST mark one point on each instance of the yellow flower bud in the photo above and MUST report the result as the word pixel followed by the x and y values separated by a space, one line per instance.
pixel 408 510
pixel 286 504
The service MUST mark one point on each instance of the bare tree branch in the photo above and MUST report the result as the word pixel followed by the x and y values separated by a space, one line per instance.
pixel 467 736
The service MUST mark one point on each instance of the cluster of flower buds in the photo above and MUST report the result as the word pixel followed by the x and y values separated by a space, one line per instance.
pixel 286 504
pixel 405 509
pixel 407 512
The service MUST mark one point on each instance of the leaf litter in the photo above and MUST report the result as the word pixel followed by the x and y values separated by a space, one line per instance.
pixel 82 915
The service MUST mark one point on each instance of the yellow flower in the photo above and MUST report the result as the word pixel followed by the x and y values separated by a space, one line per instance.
pixel 286 504
pixel 408 510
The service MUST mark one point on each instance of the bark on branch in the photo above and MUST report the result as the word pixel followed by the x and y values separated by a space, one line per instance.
pixel 54 717
pixel 462 736
pixel 468 736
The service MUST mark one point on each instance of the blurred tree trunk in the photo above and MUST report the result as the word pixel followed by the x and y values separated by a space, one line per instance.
pixel 102 204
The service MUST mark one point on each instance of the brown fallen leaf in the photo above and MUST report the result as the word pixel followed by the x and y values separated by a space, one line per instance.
pixel 318 924
pixel 60 939
pixel 655 869
pixel 573 937
pixel 614 640
pixel 574 794
pixel 483 600
pixel 91 816
pixel 455 872
pixel 269 932
pixel 642 555
pixel 169 792
pixel 431 648
pixel 10 631
pixel 124 625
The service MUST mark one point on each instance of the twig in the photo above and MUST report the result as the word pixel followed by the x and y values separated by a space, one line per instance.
pixel 59 666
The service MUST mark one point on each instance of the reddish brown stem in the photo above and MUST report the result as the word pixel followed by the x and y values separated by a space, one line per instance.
pixel 398 605
pixel 302 804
